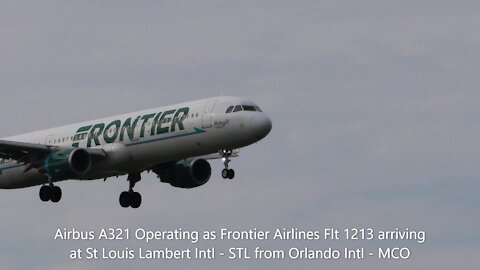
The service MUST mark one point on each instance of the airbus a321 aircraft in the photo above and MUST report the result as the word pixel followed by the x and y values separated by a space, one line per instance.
pixel 174 142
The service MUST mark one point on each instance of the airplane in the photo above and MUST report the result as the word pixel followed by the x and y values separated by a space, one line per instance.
pixel 175 142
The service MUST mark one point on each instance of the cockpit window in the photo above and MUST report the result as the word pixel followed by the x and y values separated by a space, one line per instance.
pixel 248 108
pixel 237 108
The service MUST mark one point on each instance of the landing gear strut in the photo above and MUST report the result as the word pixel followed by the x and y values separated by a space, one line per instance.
pixel 227 173
pixel 50 192
pixel 131 198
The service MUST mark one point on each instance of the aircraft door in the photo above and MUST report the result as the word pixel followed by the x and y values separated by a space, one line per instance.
pixel 207 116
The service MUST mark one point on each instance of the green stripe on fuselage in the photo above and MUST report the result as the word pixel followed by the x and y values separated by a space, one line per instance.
pixel 197 131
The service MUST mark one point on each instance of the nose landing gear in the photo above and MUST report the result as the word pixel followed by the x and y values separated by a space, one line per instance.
pixel 227 173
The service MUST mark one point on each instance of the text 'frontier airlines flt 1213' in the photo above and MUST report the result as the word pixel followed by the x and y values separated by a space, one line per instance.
pixel 174 142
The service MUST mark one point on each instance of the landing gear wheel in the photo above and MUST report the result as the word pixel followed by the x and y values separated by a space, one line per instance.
pixel 225 173
pixel 135 200
pixel 131 198
pixel 228 174
pixel 56 194
pixel 45 193
pixel 50 193
pixel 125 199
pixel 231 174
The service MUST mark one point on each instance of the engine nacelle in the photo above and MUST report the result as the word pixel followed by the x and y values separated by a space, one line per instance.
pixel 187 173
pixel 68 163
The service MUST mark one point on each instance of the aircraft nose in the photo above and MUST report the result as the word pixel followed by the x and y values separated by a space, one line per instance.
pixel 261 124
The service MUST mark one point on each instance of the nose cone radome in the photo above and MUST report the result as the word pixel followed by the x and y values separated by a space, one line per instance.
pixel 261 124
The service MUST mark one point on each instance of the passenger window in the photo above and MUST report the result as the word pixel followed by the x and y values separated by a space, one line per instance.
pixel 229 110
pixel 248 108
pixel 237 108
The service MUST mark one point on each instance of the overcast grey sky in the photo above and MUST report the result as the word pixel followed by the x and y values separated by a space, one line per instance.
pixel 374 107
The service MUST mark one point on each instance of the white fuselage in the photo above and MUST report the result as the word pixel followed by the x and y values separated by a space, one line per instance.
pixel 137 141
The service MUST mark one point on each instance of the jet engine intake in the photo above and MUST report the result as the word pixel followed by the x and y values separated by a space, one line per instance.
pixel 67 163
pixel 188 173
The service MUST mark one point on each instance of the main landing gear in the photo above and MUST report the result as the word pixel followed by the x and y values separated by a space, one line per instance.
pixel 227 173
pixel 50 192
pixel 131 198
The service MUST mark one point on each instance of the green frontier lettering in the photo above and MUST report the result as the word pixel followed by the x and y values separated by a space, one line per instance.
pixel 145 119
pixel 155 122
pixel 95 132
pixel 129 128
pixel 163 120
pixel 80 135
pixel 169 121
pixel 178 119
pixel 116 129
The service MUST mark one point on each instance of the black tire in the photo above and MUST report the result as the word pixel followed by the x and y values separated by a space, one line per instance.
pixel 56 194
pixel 125 199
pixel 136 200
pixel 225 173
pixel 231 174
pixel 45 193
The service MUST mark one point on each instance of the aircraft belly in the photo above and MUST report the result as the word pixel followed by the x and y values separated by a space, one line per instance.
pixel 162 151
pixel 152 153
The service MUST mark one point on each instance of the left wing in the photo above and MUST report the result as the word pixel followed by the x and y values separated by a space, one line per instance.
pixel 19 150
pixel 30 154
pixel 34 155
